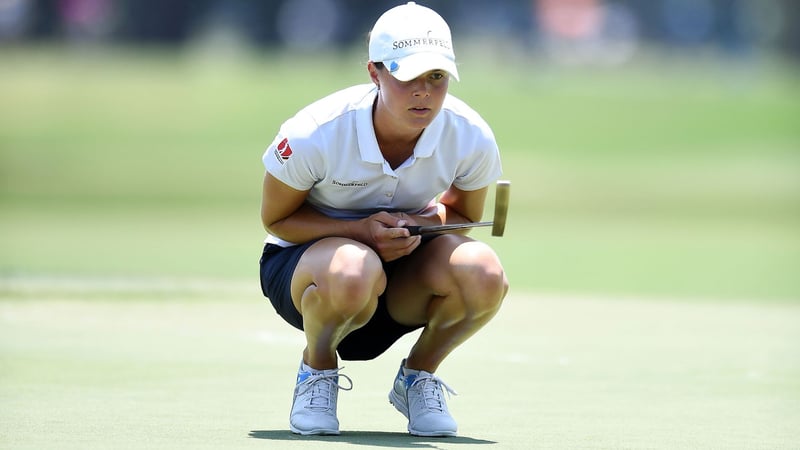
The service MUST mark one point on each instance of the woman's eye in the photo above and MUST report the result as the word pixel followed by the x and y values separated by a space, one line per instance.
pixel 437 75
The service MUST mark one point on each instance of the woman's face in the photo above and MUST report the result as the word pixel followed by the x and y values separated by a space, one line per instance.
pixel 409 105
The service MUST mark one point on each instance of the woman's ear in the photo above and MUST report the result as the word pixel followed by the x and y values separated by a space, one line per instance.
pixel 373 74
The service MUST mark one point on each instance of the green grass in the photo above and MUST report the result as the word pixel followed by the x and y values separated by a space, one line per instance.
pixel 90 363
pixel 660 179
pixel 652 248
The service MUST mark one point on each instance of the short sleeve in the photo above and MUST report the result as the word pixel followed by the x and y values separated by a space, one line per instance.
pixel 293 158
pixel 482 165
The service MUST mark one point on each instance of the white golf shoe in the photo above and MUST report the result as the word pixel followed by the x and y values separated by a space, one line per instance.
pixel 314 405
pixel 419 396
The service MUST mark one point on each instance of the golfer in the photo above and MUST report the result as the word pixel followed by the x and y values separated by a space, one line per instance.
pixel 343 178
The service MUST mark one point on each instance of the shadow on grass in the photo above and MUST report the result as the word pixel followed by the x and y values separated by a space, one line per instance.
pixel 370 438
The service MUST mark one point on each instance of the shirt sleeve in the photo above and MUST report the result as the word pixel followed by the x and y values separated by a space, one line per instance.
pixel 482 166
pixel 293 158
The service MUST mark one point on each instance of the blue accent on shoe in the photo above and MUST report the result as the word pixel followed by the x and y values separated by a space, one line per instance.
pixel 394 66
pixel 409 380
pixel 302 376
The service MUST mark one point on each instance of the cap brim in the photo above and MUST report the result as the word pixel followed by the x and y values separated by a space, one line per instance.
pixel 412 66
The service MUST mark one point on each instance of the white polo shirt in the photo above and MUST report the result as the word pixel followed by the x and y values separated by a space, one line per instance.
pixel 329 148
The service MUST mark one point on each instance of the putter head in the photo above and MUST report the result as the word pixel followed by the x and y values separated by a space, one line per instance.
pixel 502 195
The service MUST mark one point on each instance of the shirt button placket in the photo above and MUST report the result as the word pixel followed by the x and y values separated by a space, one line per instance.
pixel 390 189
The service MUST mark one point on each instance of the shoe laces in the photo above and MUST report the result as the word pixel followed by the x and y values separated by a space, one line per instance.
pixel 322 387
pixel 431 388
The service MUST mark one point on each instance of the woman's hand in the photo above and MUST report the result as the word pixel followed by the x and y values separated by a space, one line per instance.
pixel 388 237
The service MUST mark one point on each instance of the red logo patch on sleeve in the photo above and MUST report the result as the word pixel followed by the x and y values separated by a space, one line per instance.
pixel 283 151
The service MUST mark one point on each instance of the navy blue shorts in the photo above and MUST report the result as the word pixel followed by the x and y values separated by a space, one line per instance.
pixel 368 342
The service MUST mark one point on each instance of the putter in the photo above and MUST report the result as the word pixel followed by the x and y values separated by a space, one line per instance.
pixel 498 223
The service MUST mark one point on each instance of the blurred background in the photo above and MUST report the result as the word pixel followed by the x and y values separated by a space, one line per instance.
pixel 574 30
pixel 653 146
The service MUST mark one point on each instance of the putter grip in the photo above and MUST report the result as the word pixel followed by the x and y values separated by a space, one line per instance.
pixel 413 229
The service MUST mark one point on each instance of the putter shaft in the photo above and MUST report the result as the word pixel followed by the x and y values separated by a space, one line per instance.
pixel 498 224
pixel 416 229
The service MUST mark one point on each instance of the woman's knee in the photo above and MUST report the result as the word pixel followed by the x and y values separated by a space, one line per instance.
pixel 353 280
pixel 480 276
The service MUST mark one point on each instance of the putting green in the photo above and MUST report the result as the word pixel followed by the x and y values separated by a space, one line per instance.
pixel 187 364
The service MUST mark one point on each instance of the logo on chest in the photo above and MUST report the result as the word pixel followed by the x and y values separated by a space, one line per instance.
pixel 350 183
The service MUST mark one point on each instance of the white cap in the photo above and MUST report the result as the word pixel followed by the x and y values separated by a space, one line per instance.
pixel 410 40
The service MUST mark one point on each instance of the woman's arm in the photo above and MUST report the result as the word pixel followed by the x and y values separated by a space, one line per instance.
pixel 285 214
pixel 454 206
